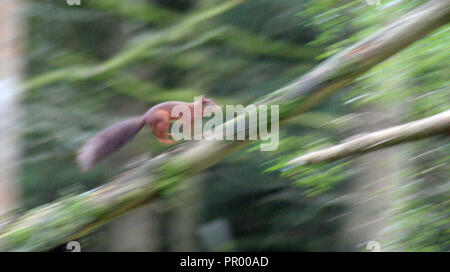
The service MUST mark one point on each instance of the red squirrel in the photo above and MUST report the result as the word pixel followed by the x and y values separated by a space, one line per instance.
pixel 117 135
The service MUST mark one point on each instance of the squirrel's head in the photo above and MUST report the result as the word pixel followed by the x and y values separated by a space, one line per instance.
pixel 208 103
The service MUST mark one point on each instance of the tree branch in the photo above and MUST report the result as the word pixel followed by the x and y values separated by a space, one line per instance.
pixel 48 226
pixel 173 33
pixel 360 144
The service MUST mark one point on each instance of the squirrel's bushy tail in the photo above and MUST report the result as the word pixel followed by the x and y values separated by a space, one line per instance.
pixel 107 141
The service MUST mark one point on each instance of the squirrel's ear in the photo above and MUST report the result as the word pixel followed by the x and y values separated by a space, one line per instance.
pixel 206 99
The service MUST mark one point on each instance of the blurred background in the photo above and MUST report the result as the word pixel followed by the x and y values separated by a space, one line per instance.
pixel 68 71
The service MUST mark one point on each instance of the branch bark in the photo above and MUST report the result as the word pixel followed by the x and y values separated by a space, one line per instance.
pixel 360 144
pixel 48 226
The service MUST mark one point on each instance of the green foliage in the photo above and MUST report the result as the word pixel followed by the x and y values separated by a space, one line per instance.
pixel 90 66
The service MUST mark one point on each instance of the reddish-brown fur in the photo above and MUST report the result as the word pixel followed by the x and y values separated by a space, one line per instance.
pixel 117 135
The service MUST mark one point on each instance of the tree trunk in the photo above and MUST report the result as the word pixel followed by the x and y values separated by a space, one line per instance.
pixel 11 47
pixel 373 185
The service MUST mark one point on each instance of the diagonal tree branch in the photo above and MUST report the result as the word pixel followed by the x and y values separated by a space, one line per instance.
pixel 63 220
pixel 360 144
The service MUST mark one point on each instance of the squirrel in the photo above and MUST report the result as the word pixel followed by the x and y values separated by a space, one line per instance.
pixel 119 134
